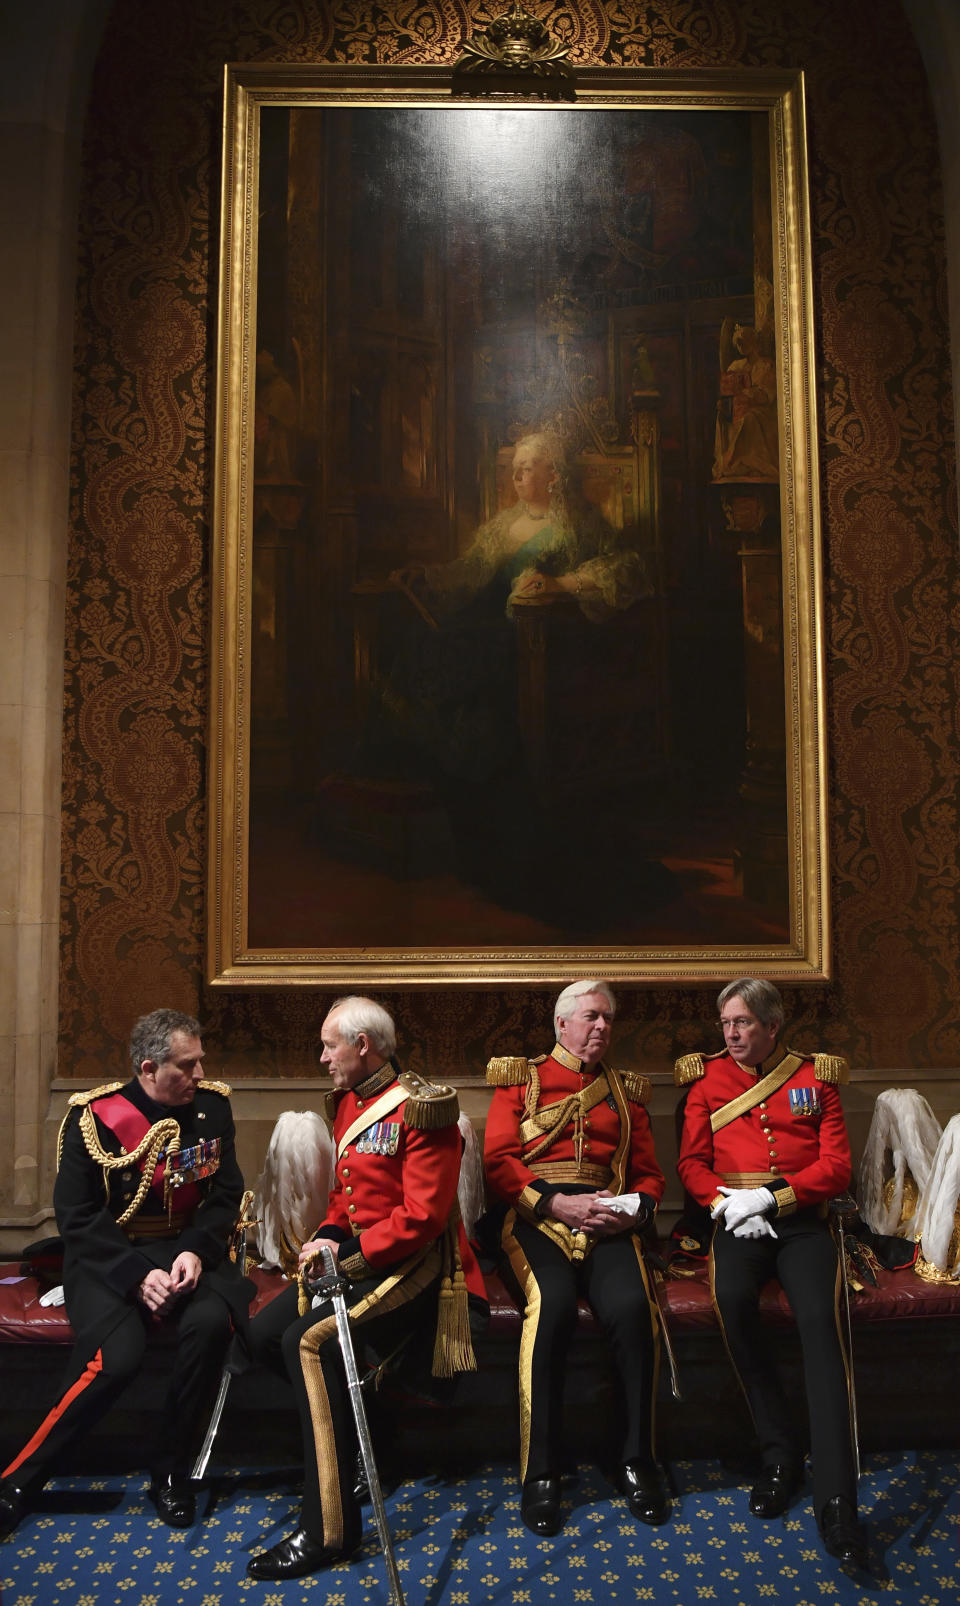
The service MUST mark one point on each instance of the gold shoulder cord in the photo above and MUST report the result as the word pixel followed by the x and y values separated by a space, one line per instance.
pixel 164 1134
pixel 532 1096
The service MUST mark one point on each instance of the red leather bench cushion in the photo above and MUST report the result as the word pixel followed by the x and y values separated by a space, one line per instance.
pixel 686 1300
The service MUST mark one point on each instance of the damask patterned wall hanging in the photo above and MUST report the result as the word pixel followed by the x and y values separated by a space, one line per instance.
pixel 138 602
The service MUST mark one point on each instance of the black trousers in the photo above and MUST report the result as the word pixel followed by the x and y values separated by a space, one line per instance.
pixel 614 1281
pixel 803 1258
pixel 306 1350
pixel 96 1376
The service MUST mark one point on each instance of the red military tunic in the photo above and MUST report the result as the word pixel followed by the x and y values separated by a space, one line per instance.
pixel 608 1145
pixel 794 1141
pixel 395 1181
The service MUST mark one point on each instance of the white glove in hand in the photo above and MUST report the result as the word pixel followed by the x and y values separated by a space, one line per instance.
pixel 754 1227
pixel 739 1203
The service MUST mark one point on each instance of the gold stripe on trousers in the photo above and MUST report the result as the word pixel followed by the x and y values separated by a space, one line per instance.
pixel 397 1289
pixel 527 1282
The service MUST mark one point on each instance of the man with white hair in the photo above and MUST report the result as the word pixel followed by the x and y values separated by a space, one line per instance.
pixel 569 1151
pixel 765 1148
pixel 393 1225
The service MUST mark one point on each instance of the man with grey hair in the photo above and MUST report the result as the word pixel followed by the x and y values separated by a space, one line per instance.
pixel 765 1148
pixel 393 1226
pixel 569 1152
pixel 147 1193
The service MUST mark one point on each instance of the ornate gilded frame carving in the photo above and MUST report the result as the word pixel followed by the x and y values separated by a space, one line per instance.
pixel 804 953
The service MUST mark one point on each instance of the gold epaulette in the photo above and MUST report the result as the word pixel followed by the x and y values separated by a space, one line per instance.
pixel 831 1068
pixel 689 1068
pixel 330 1105
pixel 637 1087
pixel 223 1088
pixel 509 1070
pixel 78 1100
pixel 429 1107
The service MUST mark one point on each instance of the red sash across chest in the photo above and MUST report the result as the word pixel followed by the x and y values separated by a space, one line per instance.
pixel 131 1126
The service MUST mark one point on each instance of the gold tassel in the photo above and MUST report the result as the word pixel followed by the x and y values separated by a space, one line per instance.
pixel 303 1294
pixel 453 1345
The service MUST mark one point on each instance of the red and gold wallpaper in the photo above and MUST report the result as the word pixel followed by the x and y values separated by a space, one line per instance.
pixel 137 603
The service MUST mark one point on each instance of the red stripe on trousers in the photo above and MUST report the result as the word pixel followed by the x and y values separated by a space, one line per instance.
pixel 90 1372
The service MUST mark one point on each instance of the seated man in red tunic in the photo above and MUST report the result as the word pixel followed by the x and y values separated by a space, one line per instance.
pixel 764 1147
pixel 147 1193
pixel 393 1224
pixel 568 1144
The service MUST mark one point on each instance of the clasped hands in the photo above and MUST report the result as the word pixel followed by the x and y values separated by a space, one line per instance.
pixel 743 1210
pixel 533 586
pixel 598 1214
pixel 160 1290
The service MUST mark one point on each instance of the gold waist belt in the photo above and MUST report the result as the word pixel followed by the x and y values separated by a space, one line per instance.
pixel 760 1179
pixel 749 1179
pixel 157 1226
pixel 568 1171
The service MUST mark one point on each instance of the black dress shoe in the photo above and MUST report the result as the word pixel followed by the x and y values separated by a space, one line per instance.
pixel 640 1481
pixel 294 1558
pixel 12 1506
pixel 774 1490
pixel 174 1499
pixel 843 1537
pixel 540 1506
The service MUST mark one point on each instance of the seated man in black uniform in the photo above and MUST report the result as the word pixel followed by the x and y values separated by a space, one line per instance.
pixel 147 1192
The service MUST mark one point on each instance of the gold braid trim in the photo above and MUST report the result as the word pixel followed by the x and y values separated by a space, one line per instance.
pixel 554 1118
pixel 831 1068
pixel 688 1068
pixel 429 1107
pixel 637 1087
pixel 223 1088
pixel 162 1135
pixel 77 1101
pixel 508 1070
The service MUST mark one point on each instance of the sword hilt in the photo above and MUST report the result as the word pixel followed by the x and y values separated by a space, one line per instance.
pixel 330 1283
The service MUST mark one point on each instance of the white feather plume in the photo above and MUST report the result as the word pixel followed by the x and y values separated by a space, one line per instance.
pixel 294 1185
pixel 470 1189
pixel 903 1137
pixel 936 1212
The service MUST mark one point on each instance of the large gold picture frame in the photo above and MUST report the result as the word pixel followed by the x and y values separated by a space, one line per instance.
pixel 464 737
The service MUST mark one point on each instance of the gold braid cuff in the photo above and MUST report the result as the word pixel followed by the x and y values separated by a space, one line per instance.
pixel 688 1068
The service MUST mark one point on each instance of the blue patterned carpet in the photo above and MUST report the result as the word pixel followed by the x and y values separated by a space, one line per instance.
pixel 461 1542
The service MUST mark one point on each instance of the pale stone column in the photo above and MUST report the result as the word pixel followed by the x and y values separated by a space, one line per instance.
pixel 46 51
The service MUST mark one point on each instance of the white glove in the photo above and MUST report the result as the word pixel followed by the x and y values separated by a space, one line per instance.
pixel 754 1227
pixel 739 1203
